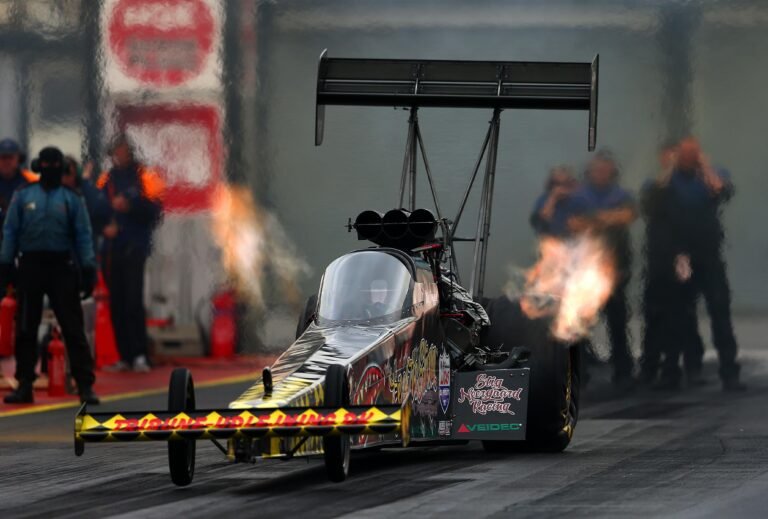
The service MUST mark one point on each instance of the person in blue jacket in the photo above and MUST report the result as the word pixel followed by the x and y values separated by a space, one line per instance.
pixel 550 212
pixel 549 219
pixel 669 294
pixel 46 225
pixel 601 206
pixel 696 193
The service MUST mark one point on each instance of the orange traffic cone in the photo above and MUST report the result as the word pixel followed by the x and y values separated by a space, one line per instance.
pixel 104 336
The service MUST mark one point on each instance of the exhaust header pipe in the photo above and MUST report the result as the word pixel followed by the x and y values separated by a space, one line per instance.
pixel 396 224
pixel 368 225
pixel 422 224
pixel 396 228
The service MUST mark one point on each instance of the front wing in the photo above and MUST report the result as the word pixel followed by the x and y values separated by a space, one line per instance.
pixel 216 424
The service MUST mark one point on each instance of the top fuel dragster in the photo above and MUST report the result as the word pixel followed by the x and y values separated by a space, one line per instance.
pixel 393 351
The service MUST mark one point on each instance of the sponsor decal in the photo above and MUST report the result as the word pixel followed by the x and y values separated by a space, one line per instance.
pixel 444 427
pixel 427 405
pixel 368 388
pixel 488 394
pixel 417 376
pixel 444 380
pixel 489 427
pixel 367 392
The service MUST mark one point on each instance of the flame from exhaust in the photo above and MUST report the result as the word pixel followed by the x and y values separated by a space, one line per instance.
pixel 571 282
pixel 253 244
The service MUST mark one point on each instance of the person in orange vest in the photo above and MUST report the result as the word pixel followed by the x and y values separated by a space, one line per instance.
pixel 133 195
pixel 12 175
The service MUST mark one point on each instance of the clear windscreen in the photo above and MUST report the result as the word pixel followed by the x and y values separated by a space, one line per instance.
pixel 365 286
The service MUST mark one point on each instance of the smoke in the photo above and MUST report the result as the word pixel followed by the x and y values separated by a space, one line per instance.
pixel 254 247
pixel 570 283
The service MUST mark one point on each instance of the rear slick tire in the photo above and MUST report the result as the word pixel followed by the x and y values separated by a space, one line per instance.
pixel 181 453
pixel 553 400
pixel 336 448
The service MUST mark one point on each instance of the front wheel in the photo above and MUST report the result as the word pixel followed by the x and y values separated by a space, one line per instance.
pixel 181 453
pixel 336 448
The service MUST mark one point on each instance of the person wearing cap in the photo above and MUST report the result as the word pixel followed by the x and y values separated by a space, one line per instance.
pixel 602 207
pixel 46 225
pixel 12 175
pixel 133 208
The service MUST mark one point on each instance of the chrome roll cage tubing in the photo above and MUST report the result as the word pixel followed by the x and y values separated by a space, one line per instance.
pixel 489 150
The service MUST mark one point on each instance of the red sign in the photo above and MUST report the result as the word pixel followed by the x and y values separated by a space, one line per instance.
pixel 184 143
pixel 161 42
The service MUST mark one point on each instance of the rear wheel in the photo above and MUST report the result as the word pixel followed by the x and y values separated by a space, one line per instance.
pixel 336 448
pixel 181 453
pixel 553 400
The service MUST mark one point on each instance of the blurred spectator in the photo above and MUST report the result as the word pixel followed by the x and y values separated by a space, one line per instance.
pixel 550 218
pixel 669 295
pixel 79 181
pixel 12 175
pixel 74 178
pixel 603 207
pixel 696 193
pixel 550 213
pixel 132 209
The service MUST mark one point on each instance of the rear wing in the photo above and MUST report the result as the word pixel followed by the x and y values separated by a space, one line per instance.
pixel 457 84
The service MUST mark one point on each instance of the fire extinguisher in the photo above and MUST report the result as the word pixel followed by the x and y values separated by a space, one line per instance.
pixel 223 332
pixel 57 366
pixel 7 314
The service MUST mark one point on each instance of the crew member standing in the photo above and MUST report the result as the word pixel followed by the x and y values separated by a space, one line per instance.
pixel 697 192
pixel 134 195
pixel 549 218
pixel 669 295
pixel 12 175
pixel 45 224
pixel 603 207
pixel 77 181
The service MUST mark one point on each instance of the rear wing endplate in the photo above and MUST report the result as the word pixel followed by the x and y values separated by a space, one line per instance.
pixel 457 84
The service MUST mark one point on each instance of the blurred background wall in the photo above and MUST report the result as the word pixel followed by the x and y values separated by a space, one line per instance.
pixel 229 94
pixel 667 68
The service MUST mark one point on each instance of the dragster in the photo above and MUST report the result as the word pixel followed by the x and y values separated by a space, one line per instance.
pixel 393 351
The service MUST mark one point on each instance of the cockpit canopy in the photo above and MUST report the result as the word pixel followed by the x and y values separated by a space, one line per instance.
pixel 365 286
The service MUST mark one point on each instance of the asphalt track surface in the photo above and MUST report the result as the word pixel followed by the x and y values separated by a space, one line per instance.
pixel 698 453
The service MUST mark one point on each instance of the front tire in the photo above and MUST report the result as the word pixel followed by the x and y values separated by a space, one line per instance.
pixel 553 401
pixel 336 448
pixel 181 453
